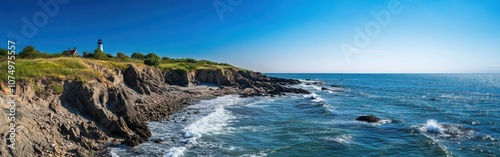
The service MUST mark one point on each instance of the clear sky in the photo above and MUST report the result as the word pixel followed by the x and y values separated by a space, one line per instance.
pixel 275 35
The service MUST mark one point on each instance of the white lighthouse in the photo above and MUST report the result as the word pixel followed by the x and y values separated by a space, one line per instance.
pixel 99 45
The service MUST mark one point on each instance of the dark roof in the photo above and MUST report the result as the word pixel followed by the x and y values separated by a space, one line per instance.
pixel 99 41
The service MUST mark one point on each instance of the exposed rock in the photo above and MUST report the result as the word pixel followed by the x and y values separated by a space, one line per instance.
pixel 158 141
pixel 318 83
pixel 324 88
pixel 144 80
pixel 369 119
pixel 179 77
pixel 116 105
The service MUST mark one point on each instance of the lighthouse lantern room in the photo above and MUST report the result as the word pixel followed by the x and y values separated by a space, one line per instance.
pixel 99 45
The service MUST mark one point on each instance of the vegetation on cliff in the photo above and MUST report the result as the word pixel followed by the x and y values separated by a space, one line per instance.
pixel 30 63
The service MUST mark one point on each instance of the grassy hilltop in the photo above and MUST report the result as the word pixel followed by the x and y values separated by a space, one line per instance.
pixel 30 63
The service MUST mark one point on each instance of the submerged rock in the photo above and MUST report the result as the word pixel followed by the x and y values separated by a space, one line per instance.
pixel 369 119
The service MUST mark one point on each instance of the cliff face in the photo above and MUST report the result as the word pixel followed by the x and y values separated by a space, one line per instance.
pixel 255 81
pixel 66 118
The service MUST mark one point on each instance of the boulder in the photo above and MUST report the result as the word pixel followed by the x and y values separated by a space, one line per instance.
pixel 369 119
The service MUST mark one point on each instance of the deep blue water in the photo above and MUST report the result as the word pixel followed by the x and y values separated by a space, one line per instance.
pixel 422 115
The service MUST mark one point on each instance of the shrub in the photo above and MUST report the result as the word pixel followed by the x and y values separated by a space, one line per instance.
pixel 88 55
pixel 137 55
pixel 152 61
pixel 191 60
pixel 45 55
pixel 121 55
pixel 152 55
pixel 29 52
pixel 98 54
pixel 4 52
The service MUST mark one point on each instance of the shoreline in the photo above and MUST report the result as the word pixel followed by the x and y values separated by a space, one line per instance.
pixel 81 119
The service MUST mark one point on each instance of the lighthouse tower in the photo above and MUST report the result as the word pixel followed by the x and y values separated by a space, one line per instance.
pixel 99 45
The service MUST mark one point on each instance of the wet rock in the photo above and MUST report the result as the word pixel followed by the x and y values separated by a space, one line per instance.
pixel 317 83
pixel 133 141
pixel 324 88
pixel 158 141
pixel 369 119
pixel 116 141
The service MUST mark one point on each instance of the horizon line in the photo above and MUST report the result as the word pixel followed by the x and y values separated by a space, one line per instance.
pixel 381 73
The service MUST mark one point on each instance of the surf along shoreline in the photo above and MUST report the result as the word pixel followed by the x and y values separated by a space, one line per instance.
pixel 64 117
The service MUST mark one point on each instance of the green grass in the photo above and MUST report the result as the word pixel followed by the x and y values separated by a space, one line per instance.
pixel 193 66
pixel 60 68
pixel 78 69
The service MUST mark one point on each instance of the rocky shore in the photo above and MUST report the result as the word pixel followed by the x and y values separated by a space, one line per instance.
pixel 68 118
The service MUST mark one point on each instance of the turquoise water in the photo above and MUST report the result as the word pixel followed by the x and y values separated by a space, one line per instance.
pixel 422 115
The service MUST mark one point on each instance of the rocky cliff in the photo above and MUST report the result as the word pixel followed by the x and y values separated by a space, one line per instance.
pixel 68 118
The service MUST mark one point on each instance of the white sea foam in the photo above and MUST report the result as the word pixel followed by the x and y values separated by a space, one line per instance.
pixel 113 152
pixel 318 100
pixel 383 121
pixel 254 155
pixel 175 152
pixel 446 130
pixel 314 97
pixel 432 126
pixel 214 122
pixel 309 84
pixel 342 139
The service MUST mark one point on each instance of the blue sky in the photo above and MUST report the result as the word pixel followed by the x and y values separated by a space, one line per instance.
pixel 424 36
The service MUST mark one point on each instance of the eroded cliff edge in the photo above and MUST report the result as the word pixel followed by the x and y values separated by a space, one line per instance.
pixel 70 118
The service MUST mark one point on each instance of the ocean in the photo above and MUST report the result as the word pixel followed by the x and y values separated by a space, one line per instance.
pixel 421 115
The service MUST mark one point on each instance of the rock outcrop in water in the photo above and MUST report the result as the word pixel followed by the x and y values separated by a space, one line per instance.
pixel 369 119
pixel 113 108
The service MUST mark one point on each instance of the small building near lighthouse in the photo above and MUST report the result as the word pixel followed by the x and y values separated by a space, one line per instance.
pixel 99 45
pixel 73 52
